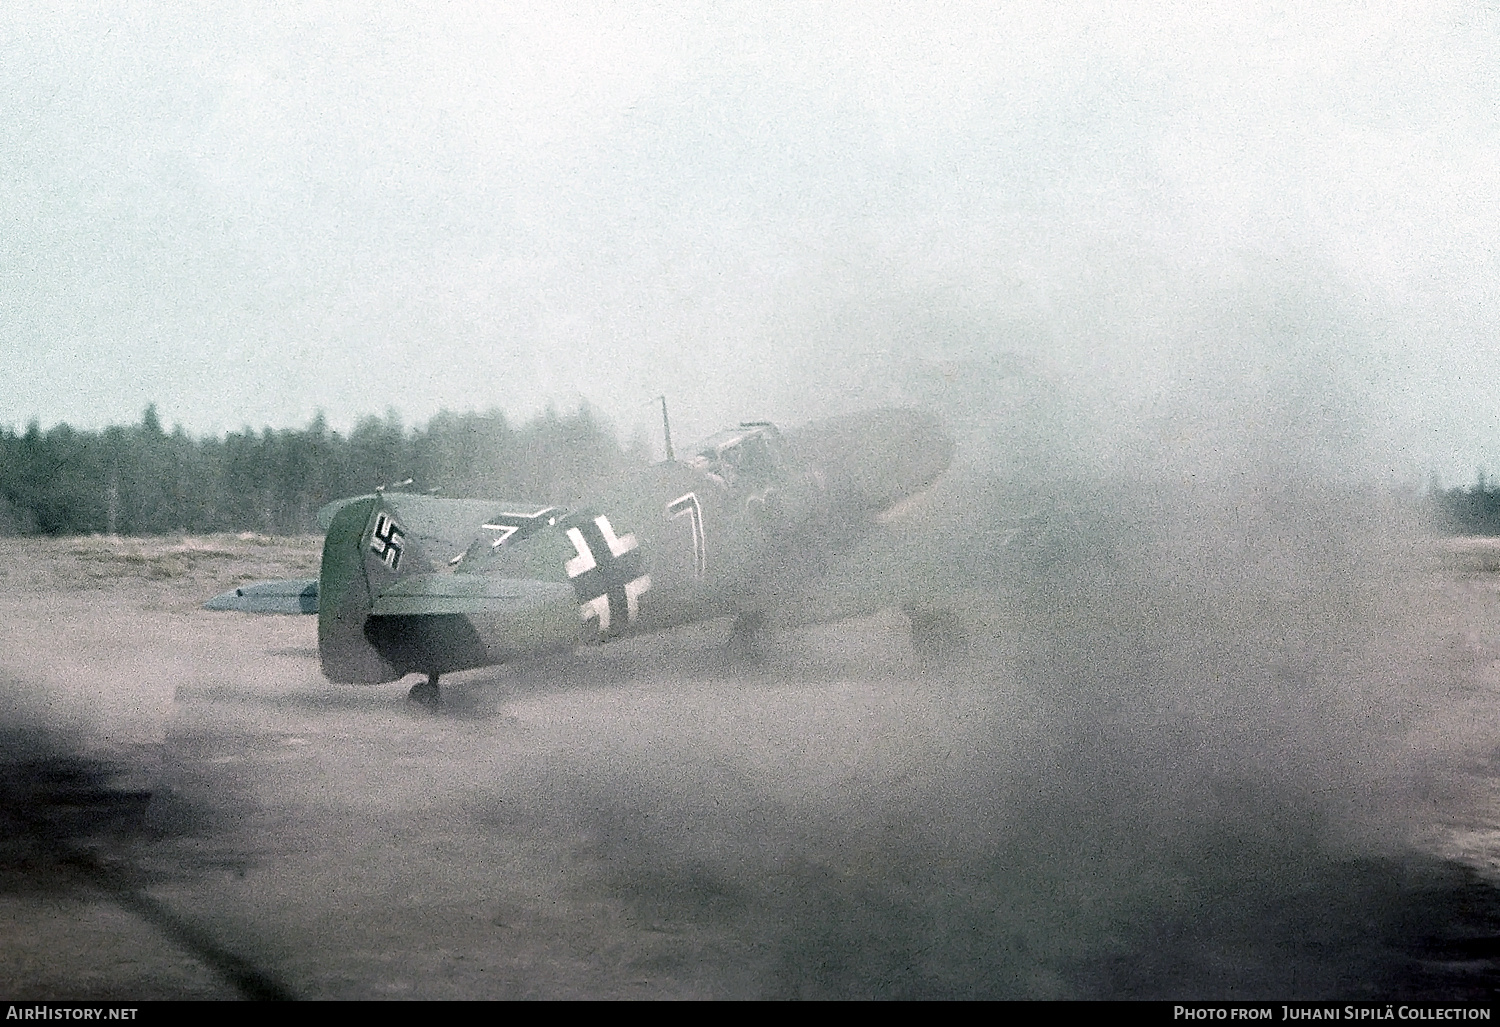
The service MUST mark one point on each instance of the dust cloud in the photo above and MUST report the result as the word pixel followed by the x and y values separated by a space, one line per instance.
pixel 1223 698
pixel 1194 720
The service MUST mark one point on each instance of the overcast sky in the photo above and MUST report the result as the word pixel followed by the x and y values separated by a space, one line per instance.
pixel 250 212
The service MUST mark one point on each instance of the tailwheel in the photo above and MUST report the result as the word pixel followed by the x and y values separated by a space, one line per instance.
pixel 425 693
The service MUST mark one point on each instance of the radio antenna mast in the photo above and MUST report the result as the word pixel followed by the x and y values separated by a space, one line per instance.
pixel 666 430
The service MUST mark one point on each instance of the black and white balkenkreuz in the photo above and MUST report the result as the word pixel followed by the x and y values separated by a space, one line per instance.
pixel 605 571
pixel 385 540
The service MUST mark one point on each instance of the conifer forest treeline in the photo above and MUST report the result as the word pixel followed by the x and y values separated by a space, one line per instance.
pixel 142 480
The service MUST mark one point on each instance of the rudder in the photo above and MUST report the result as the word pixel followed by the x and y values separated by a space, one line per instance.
pixel 345 600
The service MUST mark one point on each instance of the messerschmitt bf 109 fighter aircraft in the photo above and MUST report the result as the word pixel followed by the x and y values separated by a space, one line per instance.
pixel 747 527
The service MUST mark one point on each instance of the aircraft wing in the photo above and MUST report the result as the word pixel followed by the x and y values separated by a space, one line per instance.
pixel 297 595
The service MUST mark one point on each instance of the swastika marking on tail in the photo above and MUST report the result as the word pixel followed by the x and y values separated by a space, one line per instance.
pixel 386 540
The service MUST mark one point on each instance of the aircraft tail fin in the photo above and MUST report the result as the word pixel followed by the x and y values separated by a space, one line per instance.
pixel 359 532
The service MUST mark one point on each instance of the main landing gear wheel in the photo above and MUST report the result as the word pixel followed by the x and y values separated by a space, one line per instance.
pixel 747 638
pixel 938 633
pixel 425 693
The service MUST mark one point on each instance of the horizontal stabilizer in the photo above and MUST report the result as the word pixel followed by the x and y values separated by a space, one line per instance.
pixel 299 595
pixel 430 594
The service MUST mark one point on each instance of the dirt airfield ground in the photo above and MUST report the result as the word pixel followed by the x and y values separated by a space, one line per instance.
pixel 191 811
